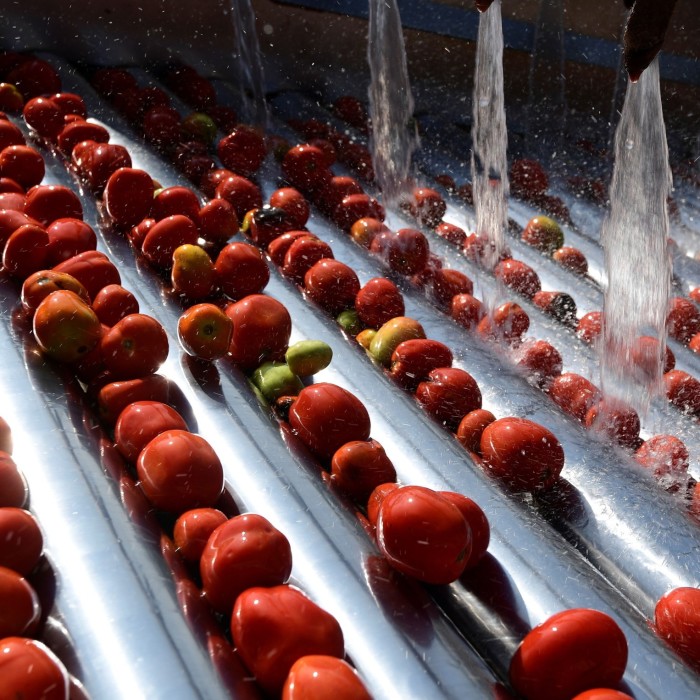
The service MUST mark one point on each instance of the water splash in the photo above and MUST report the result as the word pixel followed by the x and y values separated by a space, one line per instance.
pixel 394 137
pixel 251 78
pixel 489 137
pixel 634 237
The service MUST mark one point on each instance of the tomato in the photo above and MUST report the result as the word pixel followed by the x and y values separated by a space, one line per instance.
pixel 332 193
pixel 667 457
pixel 21 541
pixel 10 135
pixel 477 522
pixel 683 391
pixel 428 206
pixel 325 417
pixel 241 270
pixel 304 166
pixel 574 394
pixel 523 454
pixel 603 694
pixel 44 116
pixel 178 471
pixel 406 251
pixel 452 233
pixel 242 194
pixel 39 285
pixel 293 204
pixel 205 331
pixel 26 251
pixel 375 500
pixel 242 150
pixel 277 249
pixel 111 81
pixel 274 627
pixel 165 236
pixel 572 259
pixel 13 201
pixel 317 677
pixel 540 360
pixel 467 310
pixel 212 179
pixel 647 360
pixel 472 426
pixel 365 229
pixel 46 203
pixel 192 274
pixel 543 233
pixel 378 301
pixel 199 127
pixel 175 200
pixel 95 162
pixel 683 320
pixel 217 221
pixel 395 331
pixel 265 224
pixel 135 346
pixel 572 651
pixel 261 330
pixel 140 422
pixel 224 117
pixel 128 196
pixel 590 326
pixel 10 186
pixel 303 253
pixel 20 610
pixel 559 305
pixel 113 303
pixel 518 276
pixel 70 103
pixel 29 670
pixel 677 620
pixel 447 283
pixel 11 99
pixel 162 126
pixel 10 221
pixel 414 359
pixel 69 237
pixel 616 421
pixel 243 552
pixel 22 164
pixel 448 394
pixel 35 76
pixel 527 178
pixel 93 269
pixel 333 285
pixel 423 535
pixel 75 132
pixel 359 466
pixel 13 487
pixel 193 529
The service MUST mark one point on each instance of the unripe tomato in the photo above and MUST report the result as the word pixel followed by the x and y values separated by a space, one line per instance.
pixel 317 677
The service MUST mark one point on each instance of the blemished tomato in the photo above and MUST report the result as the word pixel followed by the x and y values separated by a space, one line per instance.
pixel 543 233
pixel 193 529
pixel 478 524
pixel 572 651
pixel 178 471
pixel 165 236
pixel 559 305
pixel 472 426
pixel 518 276
pixel 423 535
pixel 13 487
pixel 20 610
pixel 677 620
pixel 527 178
pixel 448 394
pixel 21 540
pixel 272 628
pixel 413 360
pixel 243 552
pixel 428 206
pixel 378 301
pixel 333 285
pixel 140 422
pixel 523 454
pixel 135 346
pixel 205 331
pixel 29 670
pixel 192 274
pixel 128 196
pixel 38 286
pixel 293 204
pixel 359 466
pixel 113 303
pixel 46 203
pixel 317 677
pixel 22 164
pixel 326 416
pixel 241 269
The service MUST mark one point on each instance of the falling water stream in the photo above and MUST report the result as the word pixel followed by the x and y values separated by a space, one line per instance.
pixel 634 237
pixel 394 137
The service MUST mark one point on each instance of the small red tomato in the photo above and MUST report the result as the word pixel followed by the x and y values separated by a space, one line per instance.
pixel 29 670
pixel 303 253
pixel 135 346
pixel 574 394
pixel 359 466
pixel 22 164
pixel 518 276
pixel 261 330
pixel 10 135
pixel 75 132
pixel 508 323
pixel 10 186
pixel 241 270
pixel 277 249
pixel 162 126
pixel 212 179
pixel 448 283
pixel 333 192
pixel 242 150
pixel 647 360
pixel 616 421
pixel 140 422
pixel 193 529
pixel 378 301
pixel 478 524
pixel 93 269
pixel 13 487
pixel 540 360
pixel 69 237
pixel 572 651
pixel 326 416
pixel 467 310
pixel 21 540
pixel 317 677
pixel 293 204
pixel 12 201
pixel 406 251
pixel 217 221
pixel 527 178
pixel 472 426
pixel 423 535
pixel 44 116
pixel 112 303
pixel 205 331
pixel 413 360
pixel 452 233
pixel 242 194
pixel 26 251
pixel 274 627
pixel 677 619
pixel 243 552
pixel 304 166
pixel 590 326
pixel 354 207
pixel 20 610
pixel 10 221
pixel 128 196
pixel 175 200
pixel 668 459
pixel 448 394
pixel 178 471
pixel 375 500
pixel 35 76
pixel 521 453
pixel 683 320
pixel 683 391
pixel 70 103
pixel 572 259
pixel 95 162
pixel 46 203
pixel 428 206
pixel 543 233
pixel 165 236
pixel 559 305
pixel 333 285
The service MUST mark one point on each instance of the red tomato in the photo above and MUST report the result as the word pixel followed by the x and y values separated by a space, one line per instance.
pixel 261 330
pixel 472 426
pixel 212 179
pixel 293 204
pixel 242 194
pixel 447 283
pixel 427 206
pixel 10 186
pixel 572 651
pixel 603 694
pixel 668 459
pixel 265 224
pixel 378 301
pixel 140 422
pixel 326 416
pixel 478 524
pixel 683 391
pixel 10 221
pixel 559 305
pixel 224 117
pixel 112 303
pixel 162 126
pixel 359 466
pixel 22 164
pixel 13 487
pixel 574 394
pixel 175 200
pixel 521 453
pixel 179 471
pixel 128 196
pixel 518 276
pixel 95 162
pixel 332 285
pixel 20 610
pixel 406 251
pixel 590 326
pixel 467 310
pixel 423 535
pixel 365 229
pixel 572 259
pixel 241 270
pixel 93 269
pixel 10 135
pixel 452 233
pixel 12 201
pixel 274 627
pixel 647 360
pixel 26 251
pixel 111 81
pixel 205 331
pixel 38 286
pixel 44 116
pixel 21 541
pixel 70 103
pixel 69 237
pixel 413 360
pixel 243 552
pixel 75 132
pixel 677 619
pixel 193 529
pixel 317 677
pixel 540 360
pixel 683 320
pixel 277 249
pixel 527 178
pixel 242 150
pixel 135 346
pixel 448 394
pixel 333 192
pixel 508 323
pixel 29 670
pixel 35 76
pixel 217 221
pixel 46 203
pixel 305 167
pixel 165 236
pixel 303 253
pixel 616 421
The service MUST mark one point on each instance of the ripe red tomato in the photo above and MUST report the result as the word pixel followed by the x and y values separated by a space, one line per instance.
pixel 140 422
pixel 175 200
pixel 93 269
pixel 242 150
pixel 590 326
pixel 304 166
pixel 217 221
pixel 540 360
pixel 20 610
pixel 333 192
pixel 113 303
pixel 162 126
pixel 242 194
pixel 70 103
pixel 302 254
pixel 668 459
pixel 472 426
pixel 35 76
pixel 467 310
pixel 165 236
pixel 13 487
pixel 448 394
pixel 572 259
pixel 22 164
pixel 179 471
pixel 10 135
pixel 521 453
pixel 75 132
pixel 95 162
pixel 26 251
pixel 317 677
pixel 205 331
pixel 21 541
pixel 241 269
pixel 428 206
pixel 359 466
pixel 447 283
pixel 683 320
pixel 326 416
pixel 508 323
pixel 378 301
pixel 277 249
pixel 677 619
pixel 452 233
pixel 274 627
pixel 647 360
pixel 413 360
pixel 572 651
pixel 574 394
pixel 423 535
pixel 406 251
pixel 243 552
pixel 44 116
pixel 333 285
pixel 603 694
pixel 518 276
pixel 293 204
pixel 683 391
pixel 527 178
pixel 375 500
pixel 193 529
pixel 478 524
pixel 29 670
pixel 68 237
pixel 616 421
pixel 46 203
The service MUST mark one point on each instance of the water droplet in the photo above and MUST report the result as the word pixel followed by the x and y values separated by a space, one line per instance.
pixel 629 144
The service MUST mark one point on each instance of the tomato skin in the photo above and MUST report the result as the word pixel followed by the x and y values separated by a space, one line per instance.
pixel 10 135
pixel 467 310
pixel 317 677
pixel 128 196
pixel 677 620
pixel 274 627
pixel 448 394
pixel 603 694
pixel 375 499
pixel 242 194
pixel 20 611
pixel 29 670
pixel 590 326
pixel 304 166
pixel 574 394
pixel 423 535
pixel 428 206
pixel 217 221
pixel 668 457
pixel 21 540
pixel 165 236
pixel 95 162
pixel 241 270
pixel 46 203
pixel 472 426
pixel 558 305
pixel 413 360
pixel 683 320
pixel 541 362
pixel 406 251
pixel 26 251
pixel 527 178
pixel 205 331
pixel 359 466
pixel 13 487
pixel 333 285
pixel 193 529
pixel 43 115
pixel 114 302
pixel 22 164
pixel 140 422
pixel 175 200
pixel 478 524
pixel 277 248
pixel 75 132
pixel 242 150
pixel 683 391
pixel 523 454
pixel 243 552
pixel 543 233
pixel 571 259
pixel 378 301
pixel 293 204
pixel 616 421
pixel 179 471
pixel 38 286
pixel 326 416
pixel 69 237
pixel 93 269
pixel 303 253
pixel 70 103
pixel 572 651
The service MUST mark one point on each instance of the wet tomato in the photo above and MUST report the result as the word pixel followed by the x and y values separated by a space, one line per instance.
pixel 603 694
pixel 518 276
pixel 543 233
pixel 472 426
pixel 26 251
pixel 20 610
pixel 38 286
pixel 70 103
pixel 242 150
pixel 302 254
pixel 358 467
pixel 95 162
pixel 277 249
pixel 448 394
pixel 590 326
pixel 572 259
pixel 165 236
pixel 572 651
pixel 427 206
pixel 68 237
pixel 375 500
pixel 423 534
pixel 333 285
pixel 112 303
pixel 541 361
pixel 193 529
pixel 378 301
pixel 205 331
pixel 667 458
pixel 241 269
pixel 242 194
pixel 574 394
pixel 447 283
pixel 21 540
pixel 406 251
pixel 179 471
pixel 683 320
pixel 616 421
pixel 527 178
pixel 35 76
pixel 467 310
pixel 75 132
pixel 29 670
pixel 13 487
pixel 93 269
pixel 413 360
pixel 128 196
pixel 304 166
pixel 677 619
pixel 478 524
pixel 44 116
pixel 217 221
pixel 46 203
pixel 559 305
pixel 317 677
pixel 508 323
pixel 683 391
pixel 10 135
pixel 22 164
pixel 293 204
